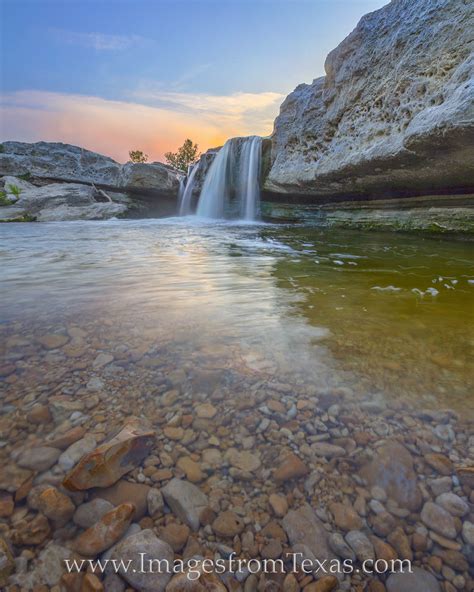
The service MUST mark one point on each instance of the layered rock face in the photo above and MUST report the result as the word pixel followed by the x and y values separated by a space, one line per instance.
pixel 394 114
pixel 63 162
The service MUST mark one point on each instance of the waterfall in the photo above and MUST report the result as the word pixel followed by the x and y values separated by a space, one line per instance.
pixel 231 188
pixel 186 193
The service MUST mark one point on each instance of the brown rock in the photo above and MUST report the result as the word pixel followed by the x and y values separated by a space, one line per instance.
pixel 6 505
pixel 272 549
pixel 91 583
pixel 72 582
pixel 65 440
pixel 324 584
pixel 176 535
pixel 106 532
pixel 392 469
pixel 382 549
pixel 440 463
pixel 56 506
pixel 345 516
pixel 376 586
pixel 400 542
pixel 39 414
pixel 382 524
pixel 53 340
pixel 279 504
pixel 34 532
pixel 292 467
pixel 290 583
pixel 173 433
pixel 202 582
pixel 228 524
pixel 191 469
pixel 206 411
pixel 126 492
pixel 12 477
pixel 7 563
pixel 466 476
pixel 106 464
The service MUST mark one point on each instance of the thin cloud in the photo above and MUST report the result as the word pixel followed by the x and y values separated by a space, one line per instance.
pixel 115 127
pixel 100 41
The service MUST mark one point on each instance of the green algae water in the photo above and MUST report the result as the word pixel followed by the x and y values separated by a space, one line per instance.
pixel 387 315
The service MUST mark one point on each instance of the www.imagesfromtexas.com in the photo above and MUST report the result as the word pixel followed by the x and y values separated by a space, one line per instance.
pixel 194 568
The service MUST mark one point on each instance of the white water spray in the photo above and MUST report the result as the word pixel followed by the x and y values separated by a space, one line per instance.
pixel 232 185
pixel 186 194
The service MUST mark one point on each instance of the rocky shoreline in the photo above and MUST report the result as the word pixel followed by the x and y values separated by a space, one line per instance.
pixel 263 468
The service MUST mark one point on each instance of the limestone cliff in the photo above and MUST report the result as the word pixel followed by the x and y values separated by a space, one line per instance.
pixel 394 114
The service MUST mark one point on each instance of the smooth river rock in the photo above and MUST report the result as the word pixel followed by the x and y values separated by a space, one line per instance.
pixel 419 581
pixel 153 549
pixel 185 500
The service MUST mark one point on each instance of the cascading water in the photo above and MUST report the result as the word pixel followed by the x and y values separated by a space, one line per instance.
pixel 231 188
pixel 186 194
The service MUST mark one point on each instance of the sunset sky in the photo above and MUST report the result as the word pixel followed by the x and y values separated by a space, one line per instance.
pixel 112 75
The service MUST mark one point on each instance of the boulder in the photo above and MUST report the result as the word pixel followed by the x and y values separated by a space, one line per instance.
pixel 63 201
pixel 106 464
pixel 72 164
pixel 394 114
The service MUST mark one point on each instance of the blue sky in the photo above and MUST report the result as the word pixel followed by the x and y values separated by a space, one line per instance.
pixel 217 67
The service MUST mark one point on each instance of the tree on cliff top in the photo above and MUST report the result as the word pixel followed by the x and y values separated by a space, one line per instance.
pixel 137 156
pixel 186 155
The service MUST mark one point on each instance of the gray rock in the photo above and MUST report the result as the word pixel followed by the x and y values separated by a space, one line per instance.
pixel 394 112
pixel 91 512
pixel 454 504
pixel 62 201
pixel 147 543
pixel 113 583
pixel 155 502
pixel 418 580
pixel 327 450
pixel 39 459
pixel 185 500
pixel 76 451
pixel 64 162
pixel 47 569
pixel 439 520
pixel 340 547
pixel 392 469
pixel 303 527
pixel 468 532
pixel 361 545
pixel 441 485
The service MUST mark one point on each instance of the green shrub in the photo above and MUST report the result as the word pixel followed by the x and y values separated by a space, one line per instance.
pixel 4 201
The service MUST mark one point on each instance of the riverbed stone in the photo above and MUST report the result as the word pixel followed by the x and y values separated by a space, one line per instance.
pixel 420 579
pixel 345 517
pixel 291 467
pixel 454 504
pixel 154 549
pixel 7 563
pixel 104 533
pixel 361 545
pixel 91 512
pixel 228 524
pixel 392 468
pixel 106 464
pixel 303 527
pixel 126 492
pixel 439 520
pixel 39 459
pixel 185 500
pixel 56 506
pixel 244 460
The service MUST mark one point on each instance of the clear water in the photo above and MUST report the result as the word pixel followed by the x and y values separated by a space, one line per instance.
pixel 255 302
